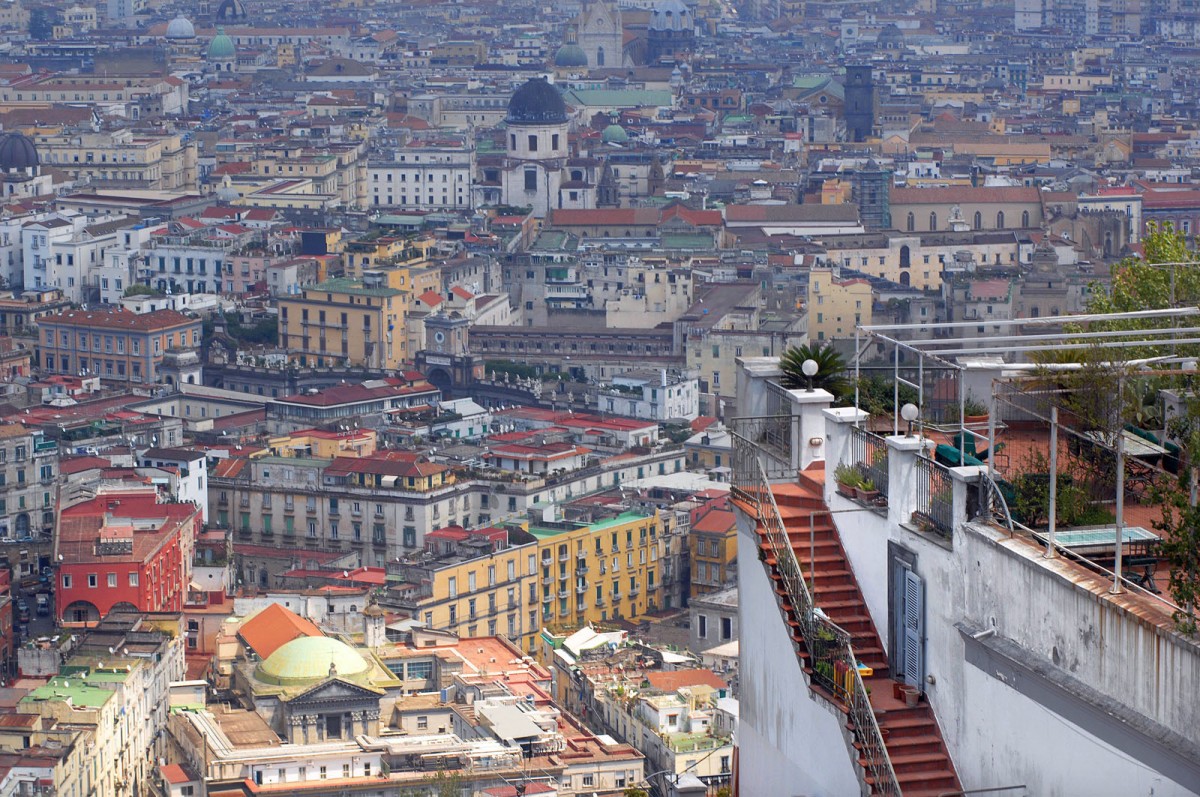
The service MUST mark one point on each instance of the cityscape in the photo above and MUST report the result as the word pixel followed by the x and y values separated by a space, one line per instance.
pixel 599 398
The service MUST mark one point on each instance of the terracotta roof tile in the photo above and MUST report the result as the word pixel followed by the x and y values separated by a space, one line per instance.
pixel 673 680
pixel 274 627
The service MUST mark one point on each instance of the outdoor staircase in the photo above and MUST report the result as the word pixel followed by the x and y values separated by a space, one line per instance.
pixel 913 740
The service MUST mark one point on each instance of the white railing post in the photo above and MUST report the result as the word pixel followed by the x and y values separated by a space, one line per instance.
pixel 902 476
pixel 838 423
pixel 963 478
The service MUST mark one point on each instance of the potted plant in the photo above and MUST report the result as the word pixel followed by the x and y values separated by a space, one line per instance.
pixel 974 411
pixel 848 478
pixel 866 491
pixel 912 695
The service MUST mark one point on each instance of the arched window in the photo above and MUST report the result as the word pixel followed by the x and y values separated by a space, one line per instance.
pixel 912 222
pixel 1025 218
pixel 905 257
pixel 932 222
pixel 599 56
pixel 1000 220
pixel 978 220
pixel 906 278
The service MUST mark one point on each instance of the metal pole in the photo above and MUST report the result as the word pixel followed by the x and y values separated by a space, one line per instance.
pixel 896 392
pixel 812 558
pixel 962 419
pixel 857 360
pixel 1050 552
pixel 1117 589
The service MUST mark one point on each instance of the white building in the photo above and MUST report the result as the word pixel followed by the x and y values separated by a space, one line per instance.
pixel 1021 669
pixel 423 177
pixel 192 470
pixel 651 396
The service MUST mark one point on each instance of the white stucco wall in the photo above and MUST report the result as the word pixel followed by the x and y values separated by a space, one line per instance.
pixel 789 744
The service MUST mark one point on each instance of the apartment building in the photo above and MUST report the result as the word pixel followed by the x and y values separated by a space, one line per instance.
pixel 345 322
pixel 28 478
pixel 115 344
pixel 671 715
pixel 69 259
pixel 122 159
pixel 471 583
pixel 124 548
pixel 593 573
pixel 108 698
pixel 423 176
pixel 836 306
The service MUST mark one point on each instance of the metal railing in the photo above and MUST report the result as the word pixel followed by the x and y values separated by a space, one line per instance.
pixel 773 436
pixel 869 452
pixel 831 656
pixel 934 508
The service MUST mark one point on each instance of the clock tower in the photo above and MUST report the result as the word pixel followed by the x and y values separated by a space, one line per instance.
pixel 446 360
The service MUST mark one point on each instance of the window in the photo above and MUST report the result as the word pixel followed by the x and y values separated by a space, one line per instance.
pixel 112 580
pixel 726 628
pixel 702 626
pixel 91 579
pixel 531 182
pixel 589 780
pixel 453 587
pixel 422 723
pixel 533 143
pixel 66 582
pixel 133 579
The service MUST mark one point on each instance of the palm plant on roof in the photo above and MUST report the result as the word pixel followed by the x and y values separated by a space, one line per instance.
pixel 831 369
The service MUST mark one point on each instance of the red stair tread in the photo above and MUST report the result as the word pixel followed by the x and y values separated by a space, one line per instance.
pixel 912 737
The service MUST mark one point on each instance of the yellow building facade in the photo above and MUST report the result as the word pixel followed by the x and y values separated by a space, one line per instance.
pixel 836 306
pixel 345 322
pixel 600 572
pixel 324 445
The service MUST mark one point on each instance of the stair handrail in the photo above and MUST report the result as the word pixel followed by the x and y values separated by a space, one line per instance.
pixel 819 631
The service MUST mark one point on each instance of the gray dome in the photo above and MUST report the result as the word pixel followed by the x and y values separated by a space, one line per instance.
pixel 17 153
pixel 891 37
pixel 537 103
pixel 570 55
pixel 180 28
pixel 671 15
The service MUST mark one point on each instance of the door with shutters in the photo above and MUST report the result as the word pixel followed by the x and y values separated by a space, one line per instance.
pixel 912 628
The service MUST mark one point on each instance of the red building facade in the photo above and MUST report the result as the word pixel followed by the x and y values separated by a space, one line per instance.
pixel 124 548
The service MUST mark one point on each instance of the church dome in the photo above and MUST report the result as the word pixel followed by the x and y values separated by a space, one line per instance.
pixel 231 11
pixel 614 134
pixel 671 15
pixel 221 46
pixel 537 103
pixel 570 55
pixel 307 659
pixel 180 28
pixel 891 37
pixel 17 152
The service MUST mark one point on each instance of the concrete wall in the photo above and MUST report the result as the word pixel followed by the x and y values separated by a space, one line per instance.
pixel 789 743
pixel 1075 691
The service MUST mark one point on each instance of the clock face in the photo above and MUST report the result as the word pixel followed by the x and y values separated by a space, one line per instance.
pixel 440 337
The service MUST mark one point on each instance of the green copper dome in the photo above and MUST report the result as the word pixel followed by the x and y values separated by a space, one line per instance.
pixel 614 134
pixel 221 46
pixel 308 659
pixel 570 55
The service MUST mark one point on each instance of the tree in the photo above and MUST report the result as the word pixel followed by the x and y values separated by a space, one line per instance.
pixel 634 791
pixel 41 24
pixel 831 369
pixel 138 289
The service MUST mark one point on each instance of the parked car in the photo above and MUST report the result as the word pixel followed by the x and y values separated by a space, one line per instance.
pixel 43 604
